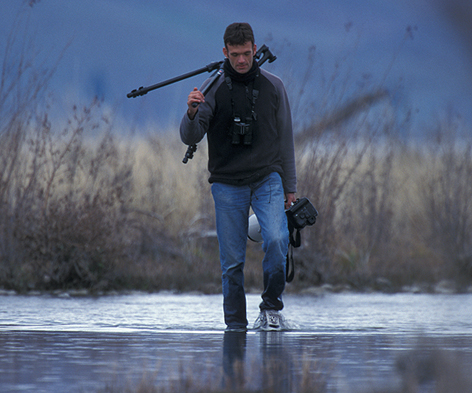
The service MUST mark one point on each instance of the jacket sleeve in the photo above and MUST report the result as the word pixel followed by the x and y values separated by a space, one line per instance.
pixel 193 131
pixel 287 149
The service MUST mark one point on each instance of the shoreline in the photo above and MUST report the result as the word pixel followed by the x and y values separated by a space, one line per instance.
pixel 444 287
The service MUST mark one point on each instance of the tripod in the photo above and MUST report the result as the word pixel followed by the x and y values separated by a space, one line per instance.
pixel 262 55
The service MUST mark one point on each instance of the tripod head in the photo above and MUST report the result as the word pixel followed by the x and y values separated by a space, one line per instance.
pixel 263 54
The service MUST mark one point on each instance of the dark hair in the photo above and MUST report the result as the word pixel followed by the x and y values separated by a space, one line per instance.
pixel 238 34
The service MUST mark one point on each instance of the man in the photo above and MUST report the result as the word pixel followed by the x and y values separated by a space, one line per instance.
pixel 246 117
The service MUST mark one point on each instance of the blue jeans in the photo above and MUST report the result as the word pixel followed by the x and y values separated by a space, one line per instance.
pixel 232 203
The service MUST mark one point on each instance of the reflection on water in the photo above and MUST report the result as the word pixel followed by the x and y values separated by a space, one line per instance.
pixel 343 343
pixel 234 351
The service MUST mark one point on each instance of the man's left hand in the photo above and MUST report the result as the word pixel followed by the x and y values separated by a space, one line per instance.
pixel 290 198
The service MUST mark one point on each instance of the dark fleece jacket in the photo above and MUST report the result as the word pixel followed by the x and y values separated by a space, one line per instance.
pixel 272 148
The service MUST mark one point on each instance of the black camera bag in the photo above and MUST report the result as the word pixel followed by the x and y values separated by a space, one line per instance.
pixel 300 214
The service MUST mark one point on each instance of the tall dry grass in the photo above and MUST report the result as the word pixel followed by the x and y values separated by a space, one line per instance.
pixel 392 212
pixel 81 207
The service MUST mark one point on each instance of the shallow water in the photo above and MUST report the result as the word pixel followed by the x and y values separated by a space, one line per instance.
pixel 351 342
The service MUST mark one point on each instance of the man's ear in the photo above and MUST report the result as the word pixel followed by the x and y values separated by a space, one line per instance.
pixel 225 52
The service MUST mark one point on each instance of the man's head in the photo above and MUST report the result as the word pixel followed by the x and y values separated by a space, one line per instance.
pixel 238 34
pixel 239 46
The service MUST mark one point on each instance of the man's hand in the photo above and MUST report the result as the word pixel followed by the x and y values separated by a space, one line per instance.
pixel 290 198
pixel 195 97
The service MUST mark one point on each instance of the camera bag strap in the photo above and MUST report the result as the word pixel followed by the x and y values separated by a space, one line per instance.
pixel 295 241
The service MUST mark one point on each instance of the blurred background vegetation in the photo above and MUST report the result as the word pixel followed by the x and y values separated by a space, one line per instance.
pixel 84 204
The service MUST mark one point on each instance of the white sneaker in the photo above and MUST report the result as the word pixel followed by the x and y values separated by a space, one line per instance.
pixel 269 320
pixel 261 321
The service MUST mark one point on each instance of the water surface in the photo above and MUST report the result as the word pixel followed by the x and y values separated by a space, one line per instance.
pixel 351 342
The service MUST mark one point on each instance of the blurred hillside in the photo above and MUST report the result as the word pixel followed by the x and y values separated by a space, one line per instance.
pixel 107 48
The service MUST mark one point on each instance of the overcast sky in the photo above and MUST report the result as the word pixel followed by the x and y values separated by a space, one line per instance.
pixel 114 46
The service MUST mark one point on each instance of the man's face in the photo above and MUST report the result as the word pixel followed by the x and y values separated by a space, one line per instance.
pixel 240 57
